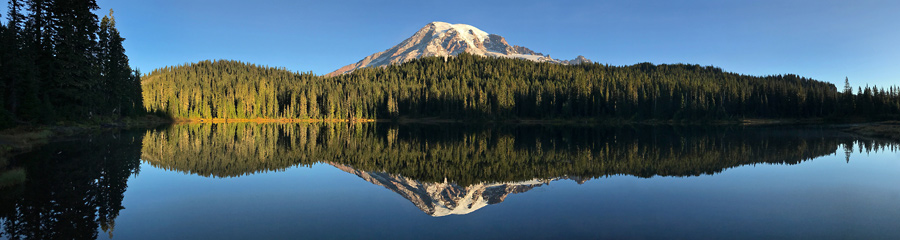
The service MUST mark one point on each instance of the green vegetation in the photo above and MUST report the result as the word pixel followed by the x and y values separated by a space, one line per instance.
pixel 469 87
pixel 474 154
pixel 26 138
pixel 59 63
pixel 11 177
pixel 883 130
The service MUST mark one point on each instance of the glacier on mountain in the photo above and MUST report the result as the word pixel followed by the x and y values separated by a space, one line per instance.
pixel 445 39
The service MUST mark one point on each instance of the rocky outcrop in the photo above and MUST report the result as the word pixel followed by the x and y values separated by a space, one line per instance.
pixel 578 60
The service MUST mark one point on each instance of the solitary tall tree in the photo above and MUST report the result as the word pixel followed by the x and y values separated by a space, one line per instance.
pixel 847 88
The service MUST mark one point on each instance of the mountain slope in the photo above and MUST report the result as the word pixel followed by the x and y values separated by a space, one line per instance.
pixel 444 39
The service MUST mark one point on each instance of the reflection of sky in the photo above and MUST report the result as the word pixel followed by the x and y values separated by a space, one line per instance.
pixel 826 197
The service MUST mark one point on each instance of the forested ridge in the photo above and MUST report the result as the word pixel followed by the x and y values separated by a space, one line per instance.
pixel 470 87
pixel 58 62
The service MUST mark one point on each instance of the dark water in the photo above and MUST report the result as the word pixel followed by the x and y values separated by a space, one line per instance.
pixel 382 181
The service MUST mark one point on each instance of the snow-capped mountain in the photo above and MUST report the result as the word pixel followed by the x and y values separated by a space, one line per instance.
pixel 444 39
pixel 442 199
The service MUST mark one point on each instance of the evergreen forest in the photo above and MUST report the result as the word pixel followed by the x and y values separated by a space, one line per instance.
pixel 59 62
pixel 469 87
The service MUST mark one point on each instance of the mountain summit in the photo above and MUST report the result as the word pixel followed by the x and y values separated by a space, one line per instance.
pixel 444 39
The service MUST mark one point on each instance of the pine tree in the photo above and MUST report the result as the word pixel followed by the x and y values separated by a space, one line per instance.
pixel 106 77
pixel 847 88
pixel 59 63
pixel 6 118
pixel 120 80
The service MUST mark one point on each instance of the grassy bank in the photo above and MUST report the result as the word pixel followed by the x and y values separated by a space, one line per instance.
pixel 11 177
pixel 886 130
pixel 24 138
pixel 269 120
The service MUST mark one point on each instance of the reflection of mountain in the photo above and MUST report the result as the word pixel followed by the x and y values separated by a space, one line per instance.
pixel 73 190
pixel 473 155
pixel 442 199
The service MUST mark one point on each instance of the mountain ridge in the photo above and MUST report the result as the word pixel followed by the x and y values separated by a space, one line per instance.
pixel 444 39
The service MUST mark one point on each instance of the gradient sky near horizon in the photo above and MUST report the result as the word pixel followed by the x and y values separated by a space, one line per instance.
pixel 822 39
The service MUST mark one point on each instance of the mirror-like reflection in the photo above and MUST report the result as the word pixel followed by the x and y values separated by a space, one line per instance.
pixel 72 189
pixel 75 189
pixel 456 170
pixel 472 155
pixel 445 198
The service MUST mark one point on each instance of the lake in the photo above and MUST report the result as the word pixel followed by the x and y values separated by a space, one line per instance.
pixel 455 181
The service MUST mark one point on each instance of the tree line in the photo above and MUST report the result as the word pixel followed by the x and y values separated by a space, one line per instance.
pixel 59 62
pixel 482 88
pixel 478 154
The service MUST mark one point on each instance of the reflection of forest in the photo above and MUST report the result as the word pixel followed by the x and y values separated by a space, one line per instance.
pixel 470 155
pixel 72 188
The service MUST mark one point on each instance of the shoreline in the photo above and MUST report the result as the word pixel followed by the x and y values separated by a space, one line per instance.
pixel 617 121
pixel 884 130
pixel 270 120
pixel 26 138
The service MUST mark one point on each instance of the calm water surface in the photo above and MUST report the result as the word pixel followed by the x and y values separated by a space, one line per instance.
pixel 290 181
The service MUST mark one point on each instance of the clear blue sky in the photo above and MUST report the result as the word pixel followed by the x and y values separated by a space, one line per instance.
pixel 822 39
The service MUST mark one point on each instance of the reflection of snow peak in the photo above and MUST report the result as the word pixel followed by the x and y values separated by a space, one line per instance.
pixel 444 39
pixel 442 199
